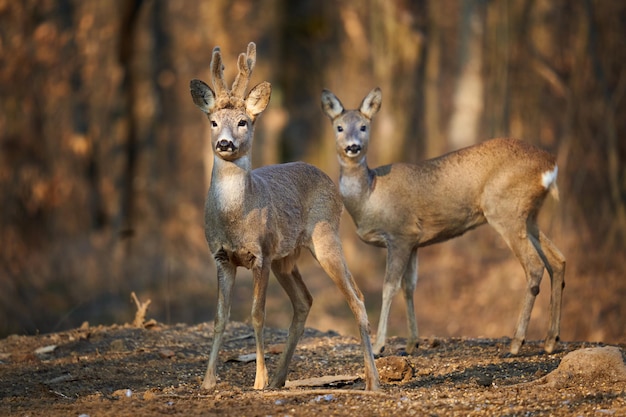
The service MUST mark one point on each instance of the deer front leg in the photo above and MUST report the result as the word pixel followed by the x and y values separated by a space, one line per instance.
pixel 225 282
pixel 408 287
pixel 261 277
pixel 397 260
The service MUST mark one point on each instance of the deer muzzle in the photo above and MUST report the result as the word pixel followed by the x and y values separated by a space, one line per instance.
pixel 224 145
pixel 353 150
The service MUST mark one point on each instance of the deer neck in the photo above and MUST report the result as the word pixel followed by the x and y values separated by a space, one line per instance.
pixel 355 184
pixel 230 182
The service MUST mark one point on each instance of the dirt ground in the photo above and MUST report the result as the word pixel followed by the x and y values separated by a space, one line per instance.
pixel 123 370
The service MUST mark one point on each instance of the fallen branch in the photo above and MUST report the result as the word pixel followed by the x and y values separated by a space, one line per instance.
pixel 324 391
pixel 142 308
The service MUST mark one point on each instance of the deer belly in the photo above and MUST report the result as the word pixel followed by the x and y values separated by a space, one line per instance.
pixel 373 237
pixel 442 229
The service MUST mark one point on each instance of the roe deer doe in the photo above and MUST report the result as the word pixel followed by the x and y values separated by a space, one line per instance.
pixel 260 219
pixel 401 206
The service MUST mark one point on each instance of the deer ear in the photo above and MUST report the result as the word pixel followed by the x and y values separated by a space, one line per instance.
pixel 258 98
pixel 331 104
pixel 371 103
pixel 202 95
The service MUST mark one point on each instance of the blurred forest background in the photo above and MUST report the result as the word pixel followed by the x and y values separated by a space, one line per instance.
pixel 104 162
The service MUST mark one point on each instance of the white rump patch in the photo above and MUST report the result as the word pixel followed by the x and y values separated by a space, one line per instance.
pixel 549 177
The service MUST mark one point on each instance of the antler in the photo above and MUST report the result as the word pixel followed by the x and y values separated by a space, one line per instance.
pixel 233 98
pixel 217 73
pixel 245 63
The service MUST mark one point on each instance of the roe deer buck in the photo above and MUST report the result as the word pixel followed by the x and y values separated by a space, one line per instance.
pixel 260 219
pixel 401 206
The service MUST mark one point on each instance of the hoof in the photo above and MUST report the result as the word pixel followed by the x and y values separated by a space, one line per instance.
pixel 550 345
pixel 515 346
pixel 378 352
pixel 208 385
pixel 411 347
pixel 373 386
pixel 276 384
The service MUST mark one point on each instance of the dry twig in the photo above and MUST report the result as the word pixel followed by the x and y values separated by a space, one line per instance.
pixel 142 308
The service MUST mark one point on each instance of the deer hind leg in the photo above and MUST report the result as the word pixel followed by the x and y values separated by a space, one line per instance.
pixel 554 262
pixel 260 275
pixel 409 282
pixel 225 282
pixel 290 279
pixel 517 236
pixel 327 249
pixel 397 260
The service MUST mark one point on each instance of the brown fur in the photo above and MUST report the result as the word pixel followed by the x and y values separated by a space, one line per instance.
pixel 261 219
pixel 405 206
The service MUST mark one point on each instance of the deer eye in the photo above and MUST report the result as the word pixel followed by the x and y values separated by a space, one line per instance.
pixel 213 123
pixel 242 123
pixel 339 128
pixel 363 128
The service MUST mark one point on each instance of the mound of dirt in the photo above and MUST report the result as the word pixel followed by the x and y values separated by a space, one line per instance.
pixel 590 366
pixel 125 370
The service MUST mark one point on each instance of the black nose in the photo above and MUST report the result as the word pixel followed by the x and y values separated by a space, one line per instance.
pixel 225 145
pixel 353 149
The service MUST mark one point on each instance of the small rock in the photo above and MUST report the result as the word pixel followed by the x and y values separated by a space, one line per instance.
pixel 484 380
pixel 326 397
pixel 152 323
pixel 122 393
pixel 394 369
pixel 24 357
pixel 246 358
pixel 149 395
pixel 117 345
pixel 166 353
pixel 432 342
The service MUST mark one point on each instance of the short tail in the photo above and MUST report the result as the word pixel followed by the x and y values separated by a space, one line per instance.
pixel 548 180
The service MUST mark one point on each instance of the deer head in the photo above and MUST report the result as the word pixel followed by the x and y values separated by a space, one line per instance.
pixel 231 113
pixel 351 126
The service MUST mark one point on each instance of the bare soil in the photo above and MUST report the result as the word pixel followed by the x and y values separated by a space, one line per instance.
pixel 124 370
